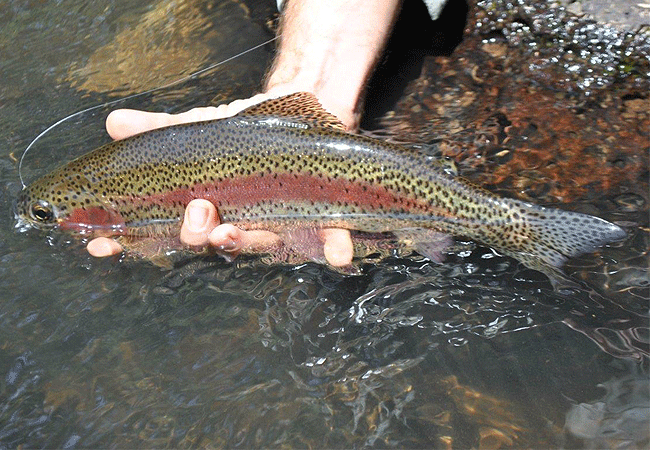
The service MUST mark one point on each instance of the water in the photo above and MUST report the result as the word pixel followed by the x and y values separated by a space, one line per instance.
pixel 478 352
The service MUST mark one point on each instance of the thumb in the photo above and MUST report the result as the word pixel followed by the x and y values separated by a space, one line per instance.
pixel 200 219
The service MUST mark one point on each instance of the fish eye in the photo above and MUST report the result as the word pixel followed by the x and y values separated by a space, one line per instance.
pixel 42 212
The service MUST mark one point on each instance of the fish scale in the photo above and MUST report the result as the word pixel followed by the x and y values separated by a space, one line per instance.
pixel 272 168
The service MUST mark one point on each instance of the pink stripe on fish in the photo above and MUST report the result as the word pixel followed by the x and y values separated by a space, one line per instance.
pixel 291 188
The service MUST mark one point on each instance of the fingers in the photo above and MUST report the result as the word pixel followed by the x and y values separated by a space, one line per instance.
pixel 200 219
pixel 201 227
pixel 338 246
pixel 123 123
pixel 231 239
pixel 103 246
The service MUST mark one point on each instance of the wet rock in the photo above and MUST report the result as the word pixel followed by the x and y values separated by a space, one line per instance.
pixel 537 102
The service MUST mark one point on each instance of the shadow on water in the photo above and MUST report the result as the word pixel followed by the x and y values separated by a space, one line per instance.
pixel 478 352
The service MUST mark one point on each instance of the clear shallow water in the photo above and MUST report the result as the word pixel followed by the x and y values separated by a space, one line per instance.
pixel 477 352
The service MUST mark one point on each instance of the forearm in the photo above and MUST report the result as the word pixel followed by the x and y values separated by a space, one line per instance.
pixel 330 48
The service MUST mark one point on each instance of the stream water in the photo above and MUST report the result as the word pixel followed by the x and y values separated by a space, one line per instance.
pixel 477 352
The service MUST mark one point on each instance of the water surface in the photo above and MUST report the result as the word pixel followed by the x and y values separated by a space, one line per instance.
pixel 477 352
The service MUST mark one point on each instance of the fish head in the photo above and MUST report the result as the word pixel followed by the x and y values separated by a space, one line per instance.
pixel 67 204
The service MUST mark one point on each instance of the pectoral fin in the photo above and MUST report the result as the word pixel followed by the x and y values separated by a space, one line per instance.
pixel 157 250
pixel 306 243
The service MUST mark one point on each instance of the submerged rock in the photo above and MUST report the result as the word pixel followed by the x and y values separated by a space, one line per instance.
pixel 619 420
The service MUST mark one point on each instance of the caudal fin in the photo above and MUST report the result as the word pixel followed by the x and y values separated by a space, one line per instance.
pixel 551 236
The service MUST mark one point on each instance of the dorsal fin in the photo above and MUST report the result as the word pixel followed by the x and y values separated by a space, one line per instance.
pixel 302 107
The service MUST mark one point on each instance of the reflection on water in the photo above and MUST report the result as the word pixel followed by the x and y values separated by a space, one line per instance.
pixel 476 353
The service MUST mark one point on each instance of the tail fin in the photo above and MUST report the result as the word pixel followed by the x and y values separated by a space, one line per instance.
pixel 549 236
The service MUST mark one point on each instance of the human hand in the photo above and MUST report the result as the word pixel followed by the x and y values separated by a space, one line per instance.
pixel 201 224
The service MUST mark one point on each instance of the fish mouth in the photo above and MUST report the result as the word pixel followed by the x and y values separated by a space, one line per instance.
pixel 21 224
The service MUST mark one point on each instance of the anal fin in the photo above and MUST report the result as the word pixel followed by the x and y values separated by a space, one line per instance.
pixel 427 242
pixel 155 250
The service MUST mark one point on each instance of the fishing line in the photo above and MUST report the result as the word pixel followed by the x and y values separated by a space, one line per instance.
pixel 112 102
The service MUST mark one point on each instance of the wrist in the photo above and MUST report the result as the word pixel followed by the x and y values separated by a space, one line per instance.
pixel 330 49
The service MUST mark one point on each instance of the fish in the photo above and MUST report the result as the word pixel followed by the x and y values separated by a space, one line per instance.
pixel 288 166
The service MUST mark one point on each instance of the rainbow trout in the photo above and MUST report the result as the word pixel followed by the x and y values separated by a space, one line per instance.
pixel 287 165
